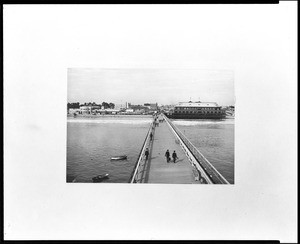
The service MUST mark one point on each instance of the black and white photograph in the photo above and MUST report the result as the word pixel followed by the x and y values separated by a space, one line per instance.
pixel 147 128
pixel 150 122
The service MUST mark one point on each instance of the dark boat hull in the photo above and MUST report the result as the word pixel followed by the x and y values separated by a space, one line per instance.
pixel 100 178
pixel 119 158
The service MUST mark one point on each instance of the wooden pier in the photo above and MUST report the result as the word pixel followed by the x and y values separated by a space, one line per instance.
pixel 157 168
pixel 191 167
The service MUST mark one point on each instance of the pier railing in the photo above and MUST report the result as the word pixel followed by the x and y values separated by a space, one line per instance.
pixel 137 173
pixel 214 176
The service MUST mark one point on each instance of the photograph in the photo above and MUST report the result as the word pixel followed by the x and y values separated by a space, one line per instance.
pixel 150 126
pixel 150 122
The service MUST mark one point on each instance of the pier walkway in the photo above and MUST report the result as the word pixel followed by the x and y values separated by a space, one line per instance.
pixel 157 169
pixel 191 167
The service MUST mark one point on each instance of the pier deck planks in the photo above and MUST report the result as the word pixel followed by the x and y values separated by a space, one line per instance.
pixel 158 170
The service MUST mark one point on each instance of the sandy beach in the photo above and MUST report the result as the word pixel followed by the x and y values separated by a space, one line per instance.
pixel 110 115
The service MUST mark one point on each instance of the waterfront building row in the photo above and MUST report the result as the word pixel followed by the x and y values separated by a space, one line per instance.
pixel 92 108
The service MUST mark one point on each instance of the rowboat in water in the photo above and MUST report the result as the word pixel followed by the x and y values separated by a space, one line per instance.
pixel 123 157
pixel 99 178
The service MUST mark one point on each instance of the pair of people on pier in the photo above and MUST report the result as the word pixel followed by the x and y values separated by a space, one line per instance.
pixel 167 154
pixel 174 156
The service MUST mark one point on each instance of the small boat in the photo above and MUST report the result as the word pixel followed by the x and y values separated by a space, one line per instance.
pixel 100 177
pixel 124 157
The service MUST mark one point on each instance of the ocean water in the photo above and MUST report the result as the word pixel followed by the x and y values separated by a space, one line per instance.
pixel 91 142
pixel 215 140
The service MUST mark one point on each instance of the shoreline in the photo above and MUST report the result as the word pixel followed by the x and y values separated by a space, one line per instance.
pixel 130 116
pixel 110 115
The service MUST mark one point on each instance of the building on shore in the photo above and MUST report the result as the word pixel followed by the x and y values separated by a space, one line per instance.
pixel 139 109
pixel 127 105
pixel 108 111
pixel 129 111
pixel 230 111
pixel 167 108
pixel 89 108
pixel 127 108
pixel 73 111
pixel 151 106
pixel 197 110
pixel 120 106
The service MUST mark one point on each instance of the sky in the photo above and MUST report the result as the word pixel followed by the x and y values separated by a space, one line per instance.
pixel 139 86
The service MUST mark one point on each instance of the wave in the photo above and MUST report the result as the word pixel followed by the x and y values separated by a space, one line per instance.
pixel 203 122
pixel 109 121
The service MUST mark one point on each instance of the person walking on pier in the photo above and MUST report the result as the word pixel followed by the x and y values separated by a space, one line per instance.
pixel 146 153
pixel 167 154
pixel 151 136
pixel 174 156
